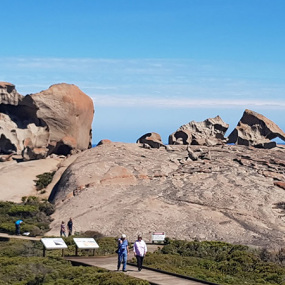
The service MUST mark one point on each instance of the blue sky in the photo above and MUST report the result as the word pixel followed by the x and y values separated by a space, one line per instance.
pixel 150 65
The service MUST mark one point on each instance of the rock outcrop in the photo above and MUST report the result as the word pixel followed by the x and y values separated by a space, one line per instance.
pixel 57 120
pixel 152 140
pixel 254 129
pixel 104 141
pixel 9 94
pixel 18 179
pixel 224 193
pixel 209 132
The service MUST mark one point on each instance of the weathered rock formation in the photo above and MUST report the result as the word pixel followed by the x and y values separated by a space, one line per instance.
pixel 222 193
pixel 209 132
pixel 57 120
pixel 104 141
pixel 151 139
pixel 256 130
pixel 9 94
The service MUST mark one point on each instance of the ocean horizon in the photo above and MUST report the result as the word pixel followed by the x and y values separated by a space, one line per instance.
pixel 278 143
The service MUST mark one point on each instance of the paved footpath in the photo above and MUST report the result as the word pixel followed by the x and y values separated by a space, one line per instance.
pixel 153 277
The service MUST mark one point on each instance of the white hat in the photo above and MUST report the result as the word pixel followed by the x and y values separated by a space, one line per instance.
pixel 123 236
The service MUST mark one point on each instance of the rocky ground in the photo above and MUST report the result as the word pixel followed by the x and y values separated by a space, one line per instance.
pixel 228 193
pixel 194 188
pixel 17 179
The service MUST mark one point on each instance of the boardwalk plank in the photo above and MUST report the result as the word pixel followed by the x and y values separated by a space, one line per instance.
pixel 110 263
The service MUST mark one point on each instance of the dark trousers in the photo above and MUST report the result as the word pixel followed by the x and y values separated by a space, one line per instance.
pixel 17 229
pixel 139 261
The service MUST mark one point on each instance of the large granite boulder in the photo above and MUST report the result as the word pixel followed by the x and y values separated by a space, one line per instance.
pixel 9 94
pixel 209 132
pixel 254 129
pixel 57 120
pixel 153 140
pixel 230 197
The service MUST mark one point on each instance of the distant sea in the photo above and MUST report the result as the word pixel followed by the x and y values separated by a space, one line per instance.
pixel 93 145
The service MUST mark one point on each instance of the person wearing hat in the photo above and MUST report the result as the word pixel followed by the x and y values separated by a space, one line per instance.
pixel 123 251
pixel 140 251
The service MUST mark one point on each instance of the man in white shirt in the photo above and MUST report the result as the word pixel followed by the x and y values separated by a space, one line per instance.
pixel 140 251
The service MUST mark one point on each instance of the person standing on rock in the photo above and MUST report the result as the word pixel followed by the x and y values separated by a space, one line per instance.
pixel 69 226
pixel 140 251
pixel 123 251
pixel 18 225
pixel 62 229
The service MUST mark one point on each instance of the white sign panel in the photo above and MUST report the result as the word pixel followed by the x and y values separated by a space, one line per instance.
pixel 86 243
pixel 53 243
pixel 158 236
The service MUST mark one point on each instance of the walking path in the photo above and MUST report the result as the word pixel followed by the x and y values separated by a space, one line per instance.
pixel 110 263
pixel 6 236
pixel 156 278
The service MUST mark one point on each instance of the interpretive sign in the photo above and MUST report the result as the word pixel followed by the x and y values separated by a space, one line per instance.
pixel 158 236
pixel 86 243
pixel 53 243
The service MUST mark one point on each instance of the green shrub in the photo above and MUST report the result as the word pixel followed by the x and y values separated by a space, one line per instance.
pixel 38 270
pixel 23 211
pixel 5 206
pixel 35 214
pixel 32 229
pixel 218 262
pixel 47 208
pixel 44 180
pixel 7 227
pixel 43 225
pixel 17 247
pixel 92 234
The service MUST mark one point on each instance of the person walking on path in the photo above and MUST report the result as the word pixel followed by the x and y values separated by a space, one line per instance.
pixel 18 225
pixel 62 229
pixel 123 251
pixel 140 251
pixel 69 226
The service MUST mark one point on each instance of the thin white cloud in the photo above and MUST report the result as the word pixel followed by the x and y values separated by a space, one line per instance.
pixel 132 101
pixel 165 83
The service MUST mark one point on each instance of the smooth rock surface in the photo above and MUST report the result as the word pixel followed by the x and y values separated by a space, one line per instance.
pixel 227 194
pixel 18 179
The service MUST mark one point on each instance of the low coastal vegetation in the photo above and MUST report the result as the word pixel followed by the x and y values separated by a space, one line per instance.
pixel 35 214
pixel 213 261
pixel 16 268
pixel 43 180
pixel 216 262
pixel 219 262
